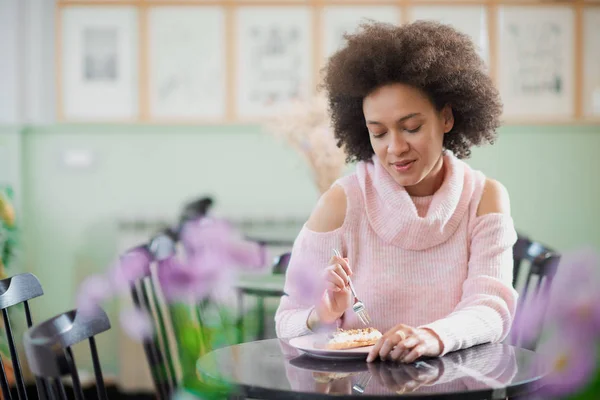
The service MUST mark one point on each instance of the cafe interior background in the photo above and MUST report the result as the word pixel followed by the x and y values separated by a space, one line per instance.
pixel 114 114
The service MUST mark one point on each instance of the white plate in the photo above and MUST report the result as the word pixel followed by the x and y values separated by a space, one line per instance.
pixel 306 344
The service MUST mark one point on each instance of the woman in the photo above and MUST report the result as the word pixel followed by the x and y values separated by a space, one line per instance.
pixel 426 240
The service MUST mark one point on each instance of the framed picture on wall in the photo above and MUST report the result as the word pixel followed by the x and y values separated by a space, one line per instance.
pixel 469 19
pixel 536 62
pixel 187 62
pixel 273 59
pixel 591 62
pixel 99 63
pixel 339 20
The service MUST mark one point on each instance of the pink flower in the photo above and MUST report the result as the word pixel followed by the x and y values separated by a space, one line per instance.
pixel 569 361
pixel 199 234
pixel 305 284
pixel 180 282
pixel 218 237
pixel 94 290
pixel 137 324
pixel 214 251
pixel 187 283
pixel 570 326
pixel 132 266
pixel 575 299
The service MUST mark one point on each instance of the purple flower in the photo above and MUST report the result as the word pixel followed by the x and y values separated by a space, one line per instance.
pixel 137 324
pixel 213 252
pixel 200 278
pixel 210 235
pixel 305 284
pixel 180 282
pixel 569 359
pixel 570 325
pixel 573 302
pixel 94 290
pixel 131 267
pixel 575 299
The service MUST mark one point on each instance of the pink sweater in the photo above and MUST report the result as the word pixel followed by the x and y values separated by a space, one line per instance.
pixel 424 262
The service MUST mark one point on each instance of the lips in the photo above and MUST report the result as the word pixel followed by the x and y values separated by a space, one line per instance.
pixel 403 166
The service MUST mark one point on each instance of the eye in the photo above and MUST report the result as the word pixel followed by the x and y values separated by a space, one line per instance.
pixel 417 129
pixel 377 135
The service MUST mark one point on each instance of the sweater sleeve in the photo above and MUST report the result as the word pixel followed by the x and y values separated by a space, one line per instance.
pixel 303 287
pixel 488 303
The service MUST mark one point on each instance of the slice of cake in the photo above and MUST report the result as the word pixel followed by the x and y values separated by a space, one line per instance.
pixel 326 377
pixel 352 338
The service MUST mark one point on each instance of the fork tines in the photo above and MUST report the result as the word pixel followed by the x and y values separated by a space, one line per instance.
pixel 362 315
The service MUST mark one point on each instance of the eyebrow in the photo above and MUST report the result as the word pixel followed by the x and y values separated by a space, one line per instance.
pixel 409 116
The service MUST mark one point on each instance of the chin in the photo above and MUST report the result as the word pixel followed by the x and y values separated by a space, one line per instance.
pixel 404 179
pixel 406 182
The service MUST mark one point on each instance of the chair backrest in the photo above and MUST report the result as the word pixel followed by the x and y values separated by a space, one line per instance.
pixel 158 348
pixel 281 263
pixel 48 349
pixel 543 263
pixel 172 362
pixel 13 291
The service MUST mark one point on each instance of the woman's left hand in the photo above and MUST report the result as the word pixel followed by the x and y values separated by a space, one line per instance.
pixel 406 344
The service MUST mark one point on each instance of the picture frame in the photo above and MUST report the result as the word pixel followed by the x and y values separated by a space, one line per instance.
pixel 274 59
pixel 469 19
pixel 591 63
pixel 340 19
pixel 187 63
pixel 536 62
pixel 99 63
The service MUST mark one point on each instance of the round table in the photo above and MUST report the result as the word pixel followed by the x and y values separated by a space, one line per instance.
pixel 261 287
pixel 272 369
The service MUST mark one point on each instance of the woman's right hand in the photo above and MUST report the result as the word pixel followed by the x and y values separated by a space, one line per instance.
pixel 337 297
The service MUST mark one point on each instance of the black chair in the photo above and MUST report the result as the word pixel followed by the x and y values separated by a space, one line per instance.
pixel 543 263
pixel 48 349
pixel 146 298
pixel 16 290
pixel 281 263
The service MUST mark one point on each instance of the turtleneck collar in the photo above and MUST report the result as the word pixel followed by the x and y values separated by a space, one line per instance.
pixel 394 216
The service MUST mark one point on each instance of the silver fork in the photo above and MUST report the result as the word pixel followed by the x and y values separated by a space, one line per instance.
pixel 362 383
pixel 358 307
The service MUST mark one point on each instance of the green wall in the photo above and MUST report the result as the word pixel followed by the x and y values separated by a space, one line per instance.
pixel 551 173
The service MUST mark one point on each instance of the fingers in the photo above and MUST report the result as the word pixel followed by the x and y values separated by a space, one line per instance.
pixel 342 262
pixel 374 353
pixel 337 274
pixel 334 281
pixel 404 344
pixel 403 348
pixel 394 340
pixel 415 353
pixel 388 341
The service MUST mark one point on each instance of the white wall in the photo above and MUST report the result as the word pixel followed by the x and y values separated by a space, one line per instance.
pixel 27 77
pixel 37 54
pixel 9 65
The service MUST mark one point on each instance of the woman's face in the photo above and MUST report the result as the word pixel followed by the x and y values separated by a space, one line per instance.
pixel 406 132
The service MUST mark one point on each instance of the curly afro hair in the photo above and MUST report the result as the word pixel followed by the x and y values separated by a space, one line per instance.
pixel 431 56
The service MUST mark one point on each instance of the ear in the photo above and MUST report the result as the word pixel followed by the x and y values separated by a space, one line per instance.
pixel 447 118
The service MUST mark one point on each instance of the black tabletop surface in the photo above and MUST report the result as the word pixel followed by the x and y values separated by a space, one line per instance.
pixel 272 369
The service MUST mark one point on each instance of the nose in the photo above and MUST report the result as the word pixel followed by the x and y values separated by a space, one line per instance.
pixel 398 144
